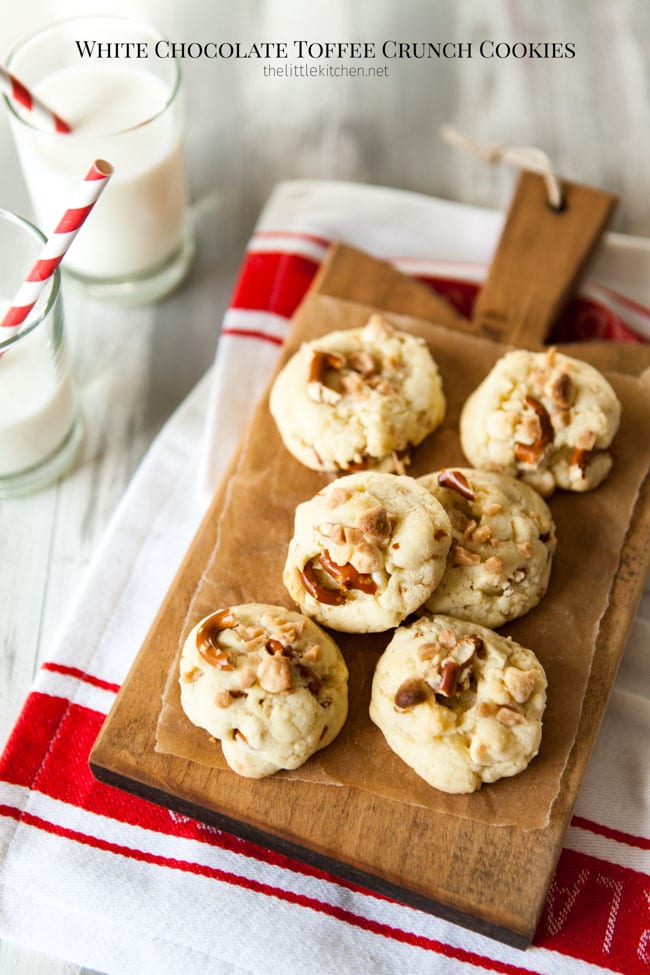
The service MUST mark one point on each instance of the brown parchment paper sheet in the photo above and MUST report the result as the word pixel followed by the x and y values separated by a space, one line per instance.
pixel 256 525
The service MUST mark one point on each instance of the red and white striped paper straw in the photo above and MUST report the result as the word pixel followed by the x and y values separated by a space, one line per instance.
pixel 56 246
pixel 15 89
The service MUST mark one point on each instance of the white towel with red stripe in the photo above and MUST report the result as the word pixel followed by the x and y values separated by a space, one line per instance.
pixel 112 882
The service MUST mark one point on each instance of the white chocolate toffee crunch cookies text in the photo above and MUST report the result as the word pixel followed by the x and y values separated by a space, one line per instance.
pixel 358 399
pixel 366 551
pixel 266 681
pixel 545 417
pixel 458 703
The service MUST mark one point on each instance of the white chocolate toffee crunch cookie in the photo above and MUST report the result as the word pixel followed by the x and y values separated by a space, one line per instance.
pixel 358 399
pixel 458 703
pixel 545 417
pixel 367 550
pixel 499 562
pixel 266 681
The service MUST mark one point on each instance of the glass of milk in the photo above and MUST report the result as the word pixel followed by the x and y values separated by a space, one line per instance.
pixel 40 424
pixel 129 110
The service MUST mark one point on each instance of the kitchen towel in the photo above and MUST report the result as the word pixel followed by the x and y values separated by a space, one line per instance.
pixel 115 883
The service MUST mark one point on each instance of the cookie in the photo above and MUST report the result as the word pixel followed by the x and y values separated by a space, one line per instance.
pixel 366 551
pixel 266 681
pixel 358 399
pixel 499 562
pixel 460 704
pixel 545 417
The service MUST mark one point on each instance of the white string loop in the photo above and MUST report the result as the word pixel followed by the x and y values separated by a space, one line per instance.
pixel 524 157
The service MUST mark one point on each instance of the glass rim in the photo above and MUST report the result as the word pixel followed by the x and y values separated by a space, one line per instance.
pixel 10 217
pixel 62 22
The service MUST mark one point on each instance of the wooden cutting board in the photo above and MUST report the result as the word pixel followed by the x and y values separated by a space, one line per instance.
pixel 492 879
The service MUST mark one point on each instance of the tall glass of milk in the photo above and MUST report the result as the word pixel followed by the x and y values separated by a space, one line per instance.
pixel 40 425
pixel 110 78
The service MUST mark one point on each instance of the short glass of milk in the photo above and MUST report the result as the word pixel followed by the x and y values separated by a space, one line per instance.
pixel 111 80
pixel 40 424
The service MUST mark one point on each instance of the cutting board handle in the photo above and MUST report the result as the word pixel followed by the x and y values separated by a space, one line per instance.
pixel 539 256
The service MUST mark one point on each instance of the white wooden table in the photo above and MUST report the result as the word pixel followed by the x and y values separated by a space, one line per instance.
pixel 245 133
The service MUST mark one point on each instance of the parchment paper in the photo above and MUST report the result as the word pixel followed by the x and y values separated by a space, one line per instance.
pixel 257 523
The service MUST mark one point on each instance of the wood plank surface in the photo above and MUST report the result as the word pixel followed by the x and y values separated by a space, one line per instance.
pixel 592 116
pixel 540 256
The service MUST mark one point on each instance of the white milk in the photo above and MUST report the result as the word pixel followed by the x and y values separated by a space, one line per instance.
pixel 138 222
pixel 36 401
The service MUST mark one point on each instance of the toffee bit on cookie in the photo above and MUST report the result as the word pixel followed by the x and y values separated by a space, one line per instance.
pixel 492 509
pixel 447 639
pixel 313 654
pixel 471 526
pixel 362 362
pixel 428 651
pixel 524 548
pixel 274 674
pixel 482 534
pixel 366 558
pixel 334 531
pixel 290 630
pixel 520 683
pixel 463 556
pixel 192 675
pixel 353 385
pixel 250 632
pixel 336 497
pixel 538 379
pixel 375 523
pixel 486 709
pixel 382 387
pixel 352 536
pixel 494 565
pixel 508 717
